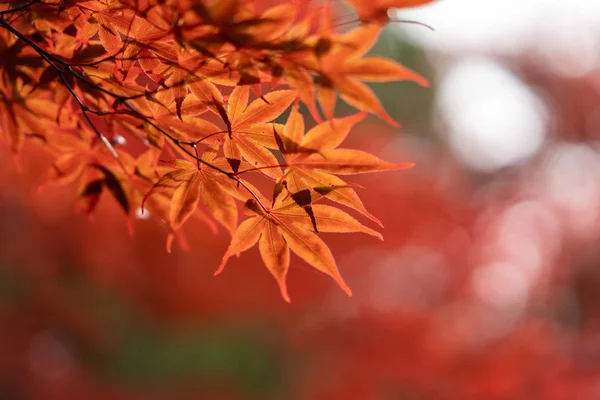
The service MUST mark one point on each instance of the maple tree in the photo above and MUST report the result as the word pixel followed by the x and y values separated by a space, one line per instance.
pixel 173 107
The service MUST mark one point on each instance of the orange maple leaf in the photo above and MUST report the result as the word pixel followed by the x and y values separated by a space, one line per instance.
pixel 286 227
pixel 313 159
pixel 247 134
pixel 189 183
pixel 343 68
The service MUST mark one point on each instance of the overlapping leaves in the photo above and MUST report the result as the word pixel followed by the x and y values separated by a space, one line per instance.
pixel 203 85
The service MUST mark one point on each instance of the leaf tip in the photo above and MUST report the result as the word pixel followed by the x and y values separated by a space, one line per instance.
pixel 346 289
pixel 283 290
pixel 340 281
pixel 424 82
pixel 169 243
pixel 221 267
pixel 392 122
pixel 285 295
pixel 405 165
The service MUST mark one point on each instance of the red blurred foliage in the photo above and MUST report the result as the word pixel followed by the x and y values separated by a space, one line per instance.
pixel 415 328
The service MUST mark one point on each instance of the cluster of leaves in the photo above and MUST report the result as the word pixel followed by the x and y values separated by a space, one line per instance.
pixel 169 106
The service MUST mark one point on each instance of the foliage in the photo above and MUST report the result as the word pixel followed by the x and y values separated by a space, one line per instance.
pixel 171 108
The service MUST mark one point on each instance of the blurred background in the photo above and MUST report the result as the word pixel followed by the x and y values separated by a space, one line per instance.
pixel 487 285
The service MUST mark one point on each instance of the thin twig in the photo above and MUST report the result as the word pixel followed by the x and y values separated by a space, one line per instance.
pixel 21 8
pixel 64 68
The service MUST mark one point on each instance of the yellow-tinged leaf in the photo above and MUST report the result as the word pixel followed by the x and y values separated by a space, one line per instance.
pixel 329 219
pixel 109 37
pixel 302 82
pixel 379 69
pixel 327 99
pixel 182 164
pixel 265 109
pixel 160 205
pixel 221 205
pixel 65 170
pixel 275 254
pixel 245 237
pixel 311 160
pixel 237 102
pixel 308 246
pixel 330 134
pixel 178 88
pixel 359 95
pixel 357 42
pixel 185 199
pixel 339 66
pixel 41 109
pixel 248 135
pixel 207 92
pixel 277 19
pixel 231 149
pixel 257 155
pixel 282 230
pixel 294 128
pixel 348 162
pixel 262 134
pixel 332 187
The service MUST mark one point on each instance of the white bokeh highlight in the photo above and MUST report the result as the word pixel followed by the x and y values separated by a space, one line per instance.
pixel 493 119
pixel 563 33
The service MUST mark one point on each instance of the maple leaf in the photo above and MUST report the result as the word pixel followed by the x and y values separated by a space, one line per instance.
pixel 247 134
pixel 158 205
pixel 100 21
pixel 25 112
pixel 183 71
pixel 329 63
pixel 92 165
pixel 157 115
pixel 95 179
pixel 286 227
pixel 313 159
pixel 18 62
pixel 343 67
pixel 189 183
